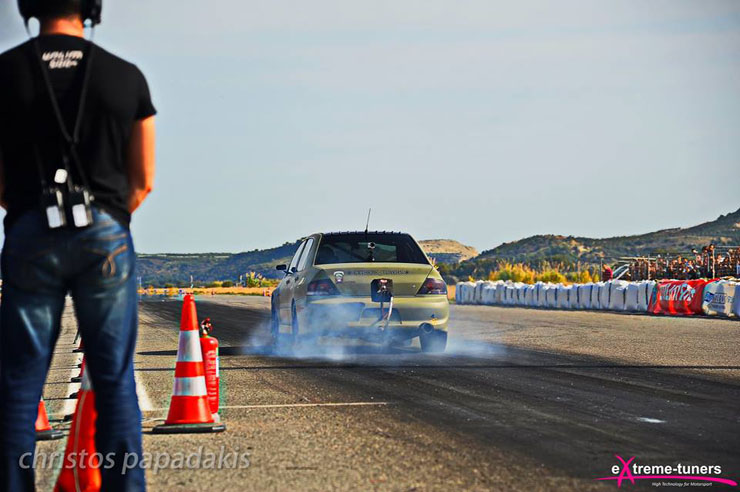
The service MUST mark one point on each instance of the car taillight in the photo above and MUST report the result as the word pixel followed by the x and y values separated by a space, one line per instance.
pixel 433 286
pixel 323 287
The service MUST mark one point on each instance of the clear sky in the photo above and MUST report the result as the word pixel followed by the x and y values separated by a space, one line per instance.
pixel 475 120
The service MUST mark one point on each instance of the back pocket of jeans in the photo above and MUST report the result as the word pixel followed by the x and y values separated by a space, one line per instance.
pixel 31 265
pixel 109 261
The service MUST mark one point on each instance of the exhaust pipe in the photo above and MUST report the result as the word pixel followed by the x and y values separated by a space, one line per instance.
pixel 426 328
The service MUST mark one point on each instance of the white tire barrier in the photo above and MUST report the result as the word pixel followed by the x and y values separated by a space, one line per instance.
pixel 487 294
pixel 604 292
pixel 541 297
pixel 617 291
pixel 551 296
pixel 466 292
pixel 521 294
pixel 719 298
pixel 584 295
pixel 508 294
pixel 518 296
pixel 616 301
pixel 478 292
pixel 500 294
pixel 563 296
pixel 491 290
pixel 646 292
pixel 529 296
pixel 573 296
pixel 632 297
pixel 596 295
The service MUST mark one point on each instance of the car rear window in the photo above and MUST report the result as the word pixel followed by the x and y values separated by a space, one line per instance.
pixel 367 248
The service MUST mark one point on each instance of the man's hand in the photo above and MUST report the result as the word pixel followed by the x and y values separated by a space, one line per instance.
pixel 141 162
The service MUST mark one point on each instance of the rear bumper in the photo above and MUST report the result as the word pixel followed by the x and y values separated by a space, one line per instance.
pixel 360 316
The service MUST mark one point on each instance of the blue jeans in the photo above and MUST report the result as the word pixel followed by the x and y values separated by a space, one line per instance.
pixel 96 266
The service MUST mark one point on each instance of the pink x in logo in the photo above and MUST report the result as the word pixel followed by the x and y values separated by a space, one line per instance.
pixel 625 473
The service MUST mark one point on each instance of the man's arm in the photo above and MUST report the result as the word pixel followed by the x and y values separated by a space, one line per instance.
pixel 141 162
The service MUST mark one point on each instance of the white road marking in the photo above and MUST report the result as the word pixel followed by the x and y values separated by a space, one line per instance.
pixel 300 405
pixel 649 420
pixel 144 402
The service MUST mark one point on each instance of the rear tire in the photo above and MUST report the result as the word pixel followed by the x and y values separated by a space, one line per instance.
pixel 434 342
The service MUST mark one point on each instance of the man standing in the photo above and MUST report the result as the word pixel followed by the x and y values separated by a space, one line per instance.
pixel 76 159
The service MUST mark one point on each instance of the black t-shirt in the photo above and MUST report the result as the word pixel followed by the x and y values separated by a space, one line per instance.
pixel 118 95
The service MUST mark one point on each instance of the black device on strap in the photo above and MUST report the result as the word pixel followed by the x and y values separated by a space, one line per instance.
pixel 79 197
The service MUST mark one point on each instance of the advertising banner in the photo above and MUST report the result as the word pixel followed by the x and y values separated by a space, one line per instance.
pixel 678 297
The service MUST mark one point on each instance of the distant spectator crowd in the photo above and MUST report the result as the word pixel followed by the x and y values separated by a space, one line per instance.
pixel 707 263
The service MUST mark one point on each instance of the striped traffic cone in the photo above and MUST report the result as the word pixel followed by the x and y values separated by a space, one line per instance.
pixel 189 410
pixel 78 475
pixel 44 431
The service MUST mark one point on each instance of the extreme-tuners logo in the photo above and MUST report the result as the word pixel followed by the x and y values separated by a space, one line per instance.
pixel 678 475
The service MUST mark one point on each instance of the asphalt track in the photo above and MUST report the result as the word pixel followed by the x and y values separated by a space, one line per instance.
pixel 523 399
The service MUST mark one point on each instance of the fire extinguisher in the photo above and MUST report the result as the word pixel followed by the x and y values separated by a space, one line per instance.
pixel 209 348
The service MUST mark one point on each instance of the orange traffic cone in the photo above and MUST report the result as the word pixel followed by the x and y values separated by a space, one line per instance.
pixel 44 431
pixel 189 410
pixel 84 473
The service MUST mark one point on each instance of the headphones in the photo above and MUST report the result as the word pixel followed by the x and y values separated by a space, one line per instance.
pixel 90 9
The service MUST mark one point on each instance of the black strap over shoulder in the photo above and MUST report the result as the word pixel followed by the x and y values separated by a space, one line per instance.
pixel 72 139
